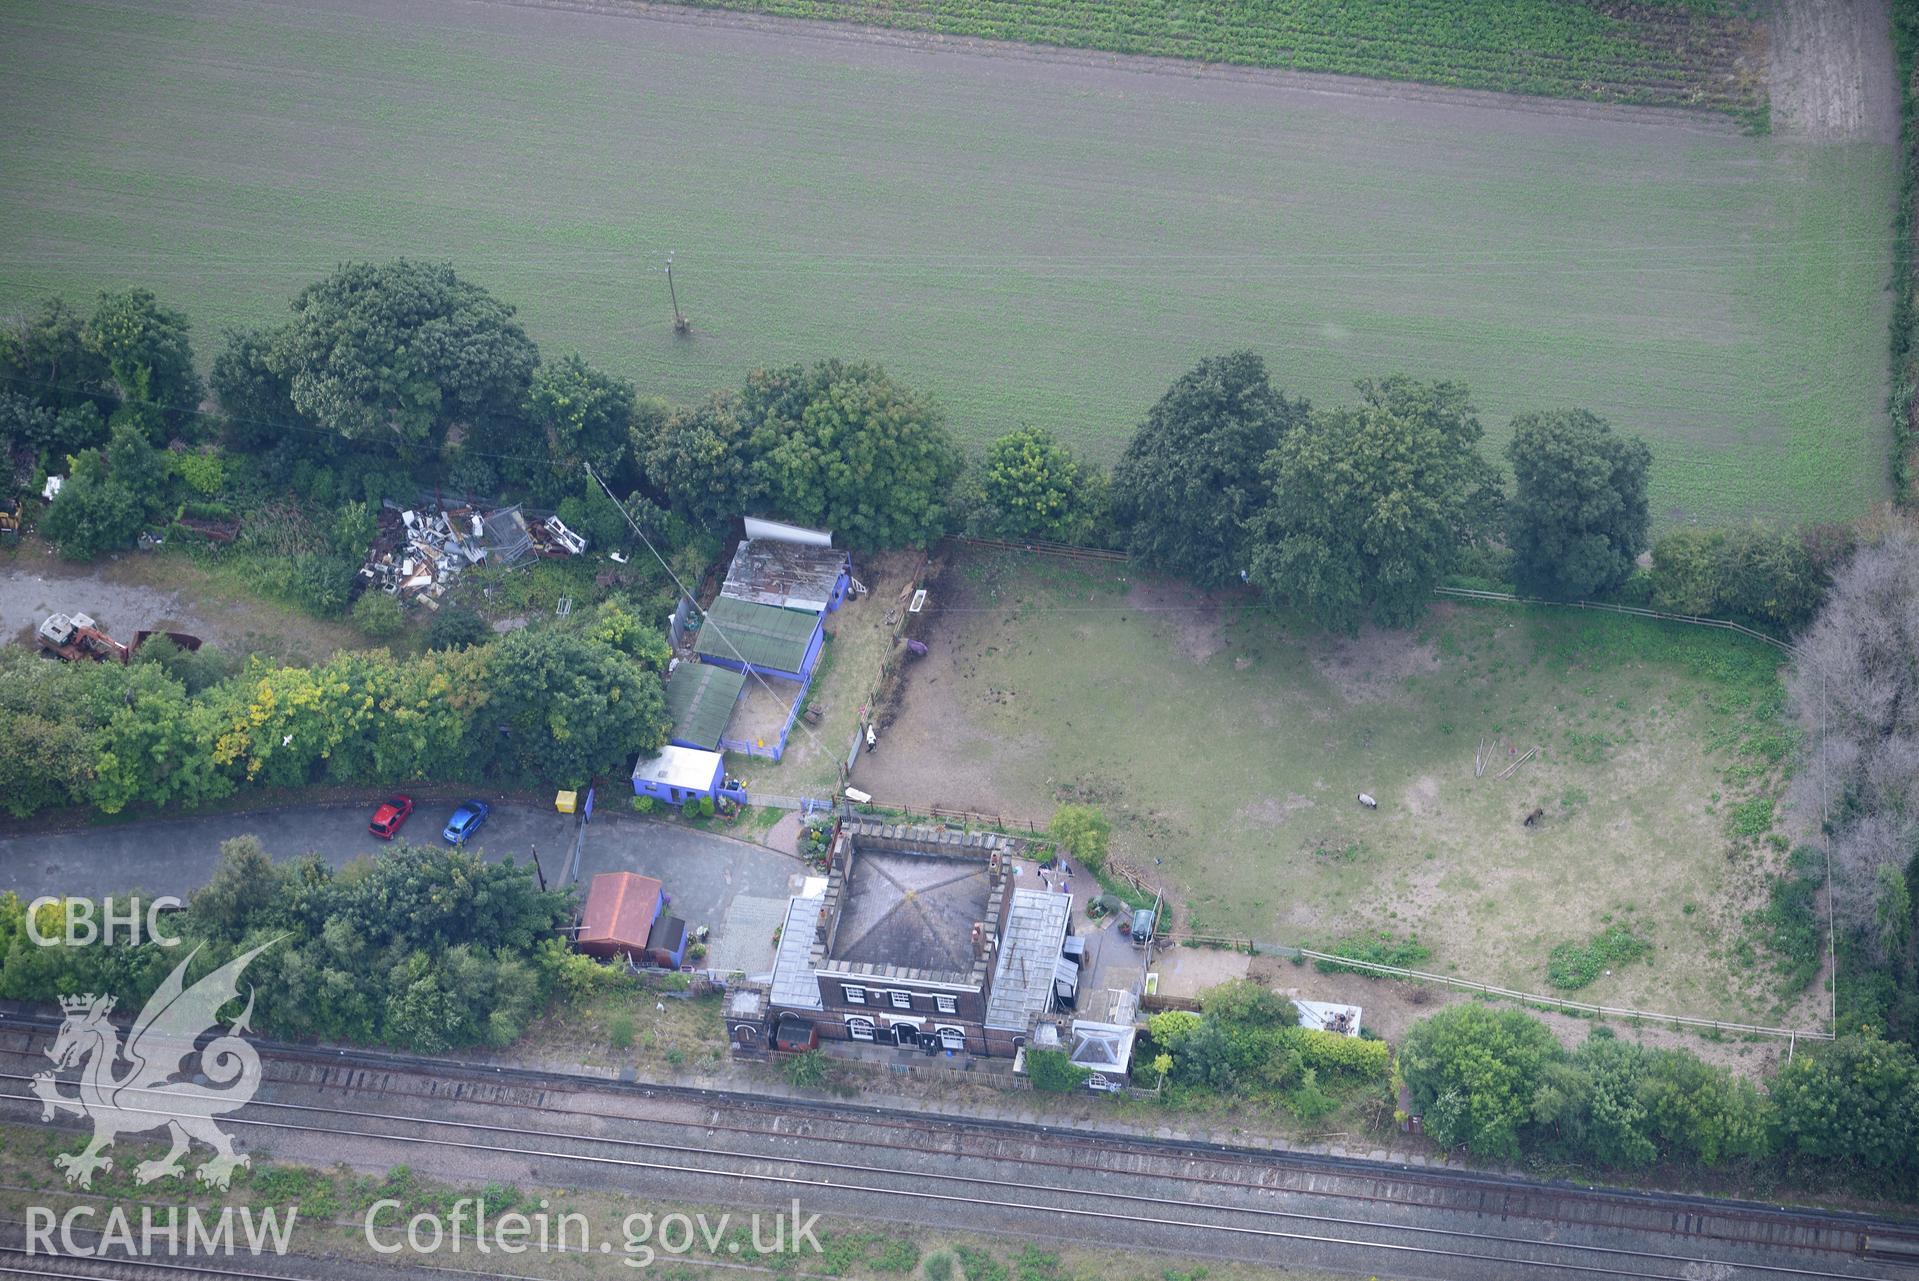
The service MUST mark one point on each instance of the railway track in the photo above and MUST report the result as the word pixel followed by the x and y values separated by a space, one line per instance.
pixel 1174 1197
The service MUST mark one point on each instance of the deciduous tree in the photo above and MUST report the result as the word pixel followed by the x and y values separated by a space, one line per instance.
pixel 1371 505
pixel 148 359
pixel 1578 516
pixel 402 352
pixel 566 708
pixel 862 455
pixel 1473 1073
pixel 1031 486
pixel 705 462
pixel 1192 475
pixel 585 415
pixel 1856 1099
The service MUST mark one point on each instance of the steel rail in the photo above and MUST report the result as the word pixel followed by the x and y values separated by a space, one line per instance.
pixel 1305 1162
pixel 1199 1181
pixel 1158 1221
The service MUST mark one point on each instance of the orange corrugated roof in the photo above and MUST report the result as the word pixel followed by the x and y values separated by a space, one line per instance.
pixel 620 907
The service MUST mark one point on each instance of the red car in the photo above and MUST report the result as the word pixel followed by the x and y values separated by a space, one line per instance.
pixel 387 819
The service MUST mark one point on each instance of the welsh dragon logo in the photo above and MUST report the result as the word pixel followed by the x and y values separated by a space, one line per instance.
pixel 146 1096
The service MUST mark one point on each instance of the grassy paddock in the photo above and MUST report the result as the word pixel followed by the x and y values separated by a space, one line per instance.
pixel 1029 240
pixel 1229 743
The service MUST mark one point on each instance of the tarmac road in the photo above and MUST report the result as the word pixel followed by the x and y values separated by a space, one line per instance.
pixel 702 873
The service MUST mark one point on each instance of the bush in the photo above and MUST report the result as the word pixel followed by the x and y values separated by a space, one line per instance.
pixel 1573 965
pixel 690 808
pixel 806 1071
pixel 456 627
pixel 644 804
pixel 1349 1055
pixel 706 807
pixel 1082 834
pixel 379 615
pixel 1052 1072
pixel 1770 578
pixel 321 583
pixel 619 1031
pixel 1384 948
pixel 201 473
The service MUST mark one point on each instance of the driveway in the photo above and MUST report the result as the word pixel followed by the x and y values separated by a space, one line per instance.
pixel 177 856
pixel 738 888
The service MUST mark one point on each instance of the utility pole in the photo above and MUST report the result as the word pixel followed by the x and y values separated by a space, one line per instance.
pixel 681 325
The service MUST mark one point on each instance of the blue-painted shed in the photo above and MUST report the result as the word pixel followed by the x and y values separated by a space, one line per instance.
pixel 680 774
pixel 761 638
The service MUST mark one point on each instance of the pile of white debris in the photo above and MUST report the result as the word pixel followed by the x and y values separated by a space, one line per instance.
pixel 417 554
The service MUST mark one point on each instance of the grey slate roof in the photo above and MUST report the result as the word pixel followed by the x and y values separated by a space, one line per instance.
pixel 913 910
pixel 1023 983
pixel 794 983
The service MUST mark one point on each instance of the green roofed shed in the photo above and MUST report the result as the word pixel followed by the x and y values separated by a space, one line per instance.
pixel 700 699
pixel 760 638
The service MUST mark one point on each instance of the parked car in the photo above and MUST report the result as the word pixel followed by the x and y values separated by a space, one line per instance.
pixel 393 811
pixel 466 821
pixel 1143 922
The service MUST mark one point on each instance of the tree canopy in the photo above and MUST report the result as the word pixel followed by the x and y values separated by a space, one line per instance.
pixel 1855 688
pixel 1371 504
pixel 842 446
pixel 703 462
pixel 567 708
pixel 1031 486
pixel 401 352
pixel 581 415
pixel 1473 1073
pixel 1578 517
pixel 147 358
pixel 1191 476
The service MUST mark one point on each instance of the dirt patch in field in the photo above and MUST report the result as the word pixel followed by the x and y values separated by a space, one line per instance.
pixel 1373 666
pixel 1833 75
pixel 1422 798
pixel 1275 811
pixel 1192 614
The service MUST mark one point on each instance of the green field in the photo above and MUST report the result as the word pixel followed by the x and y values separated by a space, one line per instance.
pixel 1231 742
pixel 1031 240
pixel 1679 52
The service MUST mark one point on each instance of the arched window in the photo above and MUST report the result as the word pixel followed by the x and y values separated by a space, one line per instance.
pixel 859 1029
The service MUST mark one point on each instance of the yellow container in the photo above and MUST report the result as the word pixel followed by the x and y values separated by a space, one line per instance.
pixel 566 802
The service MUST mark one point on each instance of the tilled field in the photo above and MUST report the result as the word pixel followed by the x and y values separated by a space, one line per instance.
pixel 1032 236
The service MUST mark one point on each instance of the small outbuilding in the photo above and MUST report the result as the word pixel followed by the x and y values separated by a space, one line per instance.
pixel 680 774
pixel 802 577
pixel 750 637
pixel 625 918
pixel 701 697
pixel 1105 1050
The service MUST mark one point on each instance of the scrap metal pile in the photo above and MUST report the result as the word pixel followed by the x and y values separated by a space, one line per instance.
pixel 417 555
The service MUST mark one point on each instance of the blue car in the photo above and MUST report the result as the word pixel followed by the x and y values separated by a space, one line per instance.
pixel 465 821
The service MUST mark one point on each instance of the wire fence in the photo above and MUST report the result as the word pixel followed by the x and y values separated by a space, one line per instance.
pixel 1632 611
pixel 1505 993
